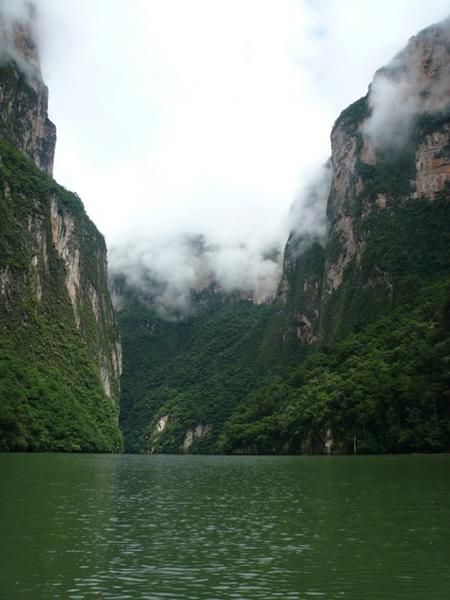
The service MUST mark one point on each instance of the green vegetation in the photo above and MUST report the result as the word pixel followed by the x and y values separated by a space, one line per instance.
pixel 385 389
pixel 58 407
pixel 392 174
pixel 430 122
pixel 351 118
pixel 51 396
pixel 376 376
pixel 353 355
pixel 379 379
pixel 404 248
pixel 195 371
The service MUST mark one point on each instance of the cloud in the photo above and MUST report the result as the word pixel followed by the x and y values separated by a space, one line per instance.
pixel 14 10
pixel 394 106
pixel 18 20
pixel 307 215
pixel 166 273
pixel 177 118
pixel 415 82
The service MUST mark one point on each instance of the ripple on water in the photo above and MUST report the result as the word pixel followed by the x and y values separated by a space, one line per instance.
pixel 225 528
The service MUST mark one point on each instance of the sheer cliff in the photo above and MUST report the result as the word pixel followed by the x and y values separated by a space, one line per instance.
pixel 24 96
pixel 370 304
pixel 388 201
pixel 60 353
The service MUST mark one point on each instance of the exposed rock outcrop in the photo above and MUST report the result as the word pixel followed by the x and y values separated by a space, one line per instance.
pixel 433 163
pixel 23 95
pixel 192 435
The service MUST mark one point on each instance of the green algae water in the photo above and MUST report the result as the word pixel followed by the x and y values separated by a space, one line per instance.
pixel 191 527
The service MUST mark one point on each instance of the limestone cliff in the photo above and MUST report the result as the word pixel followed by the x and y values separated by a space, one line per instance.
pixel 23 94
pixel 390 181
pixel 60 353
pixel 82 251
pixel 362 316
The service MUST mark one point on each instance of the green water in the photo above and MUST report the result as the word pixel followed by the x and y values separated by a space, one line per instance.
pixel 153 527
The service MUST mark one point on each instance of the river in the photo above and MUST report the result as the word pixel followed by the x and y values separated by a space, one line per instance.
pixel 193 527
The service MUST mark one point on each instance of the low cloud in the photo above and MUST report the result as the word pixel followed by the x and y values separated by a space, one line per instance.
pixel 18 22
pixel 167 272
pixel 394 106
pixel 165 129
pixel 415 82
pixel 14 10
pixel 307 217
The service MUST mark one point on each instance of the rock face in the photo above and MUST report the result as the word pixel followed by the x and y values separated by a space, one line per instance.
pixel 300 290
pixel 89 289
pixel 390 160
pixel 197 433
pixel 362 318
pixel 24 96
pixel 57 324
pixel 433 163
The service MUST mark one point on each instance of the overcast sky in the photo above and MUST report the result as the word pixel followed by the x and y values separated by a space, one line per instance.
pixel 207 116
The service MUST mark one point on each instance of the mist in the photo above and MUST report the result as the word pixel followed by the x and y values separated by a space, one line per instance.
pixel 179 121
pixel 167 272
pixel 402 91
pixel 307 215
pixel 12 11
pixel 14 15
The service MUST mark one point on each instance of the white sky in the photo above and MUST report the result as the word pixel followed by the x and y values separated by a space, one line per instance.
pixel 207 116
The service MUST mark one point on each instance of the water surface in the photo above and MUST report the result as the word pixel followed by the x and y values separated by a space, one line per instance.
pixel 189 527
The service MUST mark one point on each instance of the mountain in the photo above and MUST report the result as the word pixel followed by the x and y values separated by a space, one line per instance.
pixel 372 303
pixel 387 208
pixel 183 376
pixel 353 354
pixel 60 352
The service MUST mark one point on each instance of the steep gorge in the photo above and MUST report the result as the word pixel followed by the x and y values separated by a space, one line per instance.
pixel 352 355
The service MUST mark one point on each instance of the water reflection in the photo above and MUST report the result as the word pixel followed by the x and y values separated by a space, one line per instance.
pixel 224 527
